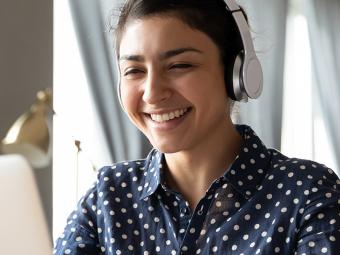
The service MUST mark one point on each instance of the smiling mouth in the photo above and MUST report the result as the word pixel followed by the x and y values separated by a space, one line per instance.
pixel 160 118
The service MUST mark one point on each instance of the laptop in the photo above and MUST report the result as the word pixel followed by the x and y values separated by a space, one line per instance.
pixel 23 227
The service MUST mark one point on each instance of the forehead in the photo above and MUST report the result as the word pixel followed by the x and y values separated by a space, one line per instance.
pixel 158 34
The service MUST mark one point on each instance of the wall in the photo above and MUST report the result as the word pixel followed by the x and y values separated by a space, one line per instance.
pixel 26 42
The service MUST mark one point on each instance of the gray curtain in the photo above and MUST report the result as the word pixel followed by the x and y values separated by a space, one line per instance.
pixel 323 23
pixel 124 141
pixel 267 19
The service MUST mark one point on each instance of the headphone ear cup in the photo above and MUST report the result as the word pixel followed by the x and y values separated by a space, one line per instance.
pixel 228 78
pixel 233 78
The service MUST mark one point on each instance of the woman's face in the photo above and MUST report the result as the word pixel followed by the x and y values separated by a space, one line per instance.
pixel 172 83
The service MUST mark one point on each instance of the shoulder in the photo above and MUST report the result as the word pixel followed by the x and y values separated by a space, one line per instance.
pixel 302 176
pixel 124 175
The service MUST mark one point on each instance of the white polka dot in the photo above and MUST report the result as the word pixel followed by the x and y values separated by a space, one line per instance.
pixel 311 244
pixel 328 195
pixel 184 248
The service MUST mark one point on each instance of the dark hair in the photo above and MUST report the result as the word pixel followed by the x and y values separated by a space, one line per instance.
pixel 208 16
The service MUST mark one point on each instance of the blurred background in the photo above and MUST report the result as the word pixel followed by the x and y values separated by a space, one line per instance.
pixel 26 67
pixel 66 45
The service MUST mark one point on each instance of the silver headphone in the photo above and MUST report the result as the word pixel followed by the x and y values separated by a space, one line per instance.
pixel 247 80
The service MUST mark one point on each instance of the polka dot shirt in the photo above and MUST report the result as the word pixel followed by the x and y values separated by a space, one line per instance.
pixel 265 203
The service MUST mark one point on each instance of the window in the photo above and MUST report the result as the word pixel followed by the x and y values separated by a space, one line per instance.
pixel 75 119
pixel 303 133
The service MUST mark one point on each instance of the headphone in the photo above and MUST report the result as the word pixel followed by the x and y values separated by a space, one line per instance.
pixel 246 77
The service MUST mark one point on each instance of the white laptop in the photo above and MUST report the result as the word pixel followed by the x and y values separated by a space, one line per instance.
pixel 23 228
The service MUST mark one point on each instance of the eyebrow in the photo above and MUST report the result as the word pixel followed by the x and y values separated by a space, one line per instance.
pixel 165 55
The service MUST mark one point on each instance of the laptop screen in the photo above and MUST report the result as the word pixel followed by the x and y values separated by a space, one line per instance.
pixel 23 228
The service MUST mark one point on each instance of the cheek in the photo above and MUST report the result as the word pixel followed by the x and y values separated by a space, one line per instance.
pixel 129 99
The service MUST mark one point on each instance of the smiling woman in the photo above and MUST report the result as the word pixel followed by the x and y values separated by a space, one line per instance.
pixel 208 186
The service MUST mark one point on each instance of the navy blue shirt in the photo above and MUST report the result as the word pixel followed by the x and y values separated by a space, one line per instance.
pixel 265 203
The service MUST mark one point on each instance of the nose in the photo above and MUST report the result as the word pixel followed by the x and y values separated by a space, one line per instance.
pixel 156 88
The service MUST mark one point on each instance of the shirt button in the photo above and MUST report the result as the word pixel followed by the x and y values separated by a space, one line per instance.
pixel 184 210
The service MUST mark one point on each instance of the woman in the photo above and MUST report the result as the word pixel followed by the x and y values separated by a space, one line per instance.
pixel 209 186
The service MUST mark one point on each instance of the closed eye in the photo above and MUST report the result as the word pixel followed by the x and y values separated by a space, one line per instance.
pixel 132 71
pixel 181 66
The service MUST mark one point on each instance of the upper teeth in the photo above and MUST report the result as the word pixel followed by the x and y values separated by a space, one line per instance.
pixel 168 116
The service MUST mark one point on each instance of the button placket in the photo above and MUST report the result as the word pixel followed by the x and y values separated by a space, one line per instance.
pixel 194 227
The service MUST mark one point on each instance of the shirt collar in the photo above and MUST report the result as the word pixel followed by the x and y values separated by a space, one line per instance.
pixel 245 173
pixel 153 168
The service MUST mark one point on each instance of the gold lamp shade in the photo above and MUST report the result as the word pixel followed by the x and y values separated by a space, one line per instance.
pixel 30 133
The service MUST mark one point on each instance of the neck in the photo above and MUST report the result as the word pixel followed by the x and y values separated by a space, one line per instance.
pixel 191 172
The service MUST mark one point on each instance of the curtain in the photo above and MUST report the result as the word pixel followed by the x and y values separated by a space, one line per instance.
pixel 323 22
pixel 267 20
pixel 123 140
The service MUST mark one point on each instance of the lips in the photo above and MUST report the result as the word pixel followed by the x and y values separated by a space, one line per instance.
pixel 168 115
